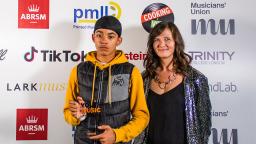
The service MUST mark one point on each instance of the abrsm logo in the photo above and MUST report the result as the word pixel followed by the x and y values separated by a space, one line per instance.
pixel 33 14
pixel 31 124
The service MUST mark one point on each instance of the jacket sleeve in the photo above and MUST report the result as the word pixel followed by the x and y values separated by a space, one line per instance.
pixel 139 110
pixel 142 137
pixel 71 93
pixel 203 108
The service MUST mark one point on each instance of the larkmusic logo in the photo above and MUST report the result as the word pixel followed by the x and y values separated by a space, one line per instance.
pixel 32 119
pixel 2 54
pixel 35 86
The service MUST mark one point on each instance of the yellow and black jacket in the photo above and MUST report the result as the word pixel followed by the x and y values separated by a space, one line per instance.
pixel 116 88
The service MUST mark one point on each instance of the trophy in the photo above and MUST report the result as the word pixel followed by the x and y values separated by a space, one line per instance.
pixel 94 117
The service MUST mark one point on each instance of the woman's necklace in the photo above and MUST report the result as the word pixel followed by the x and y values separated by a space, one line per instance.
pixel 162 85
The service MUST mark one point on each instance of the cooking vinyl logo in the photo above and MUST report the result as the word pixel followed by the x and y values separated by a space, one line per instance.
pixel 155 13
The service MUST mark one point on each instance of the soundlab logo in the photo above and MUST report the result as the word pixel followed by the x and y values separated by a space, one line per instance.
pixel 223 137
pixel 223 87
pixel 211 26
pixel 155 13
pixel 211 57
pixel 86 18
pixel 2 54
pixel 54 55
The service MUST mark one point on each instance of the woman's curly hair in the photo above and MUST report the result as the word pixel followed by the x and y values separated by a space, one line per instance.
pixel 181 60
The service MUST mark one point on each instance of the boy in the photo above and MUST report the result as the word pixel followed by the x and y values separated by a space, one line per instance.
pixel 105 97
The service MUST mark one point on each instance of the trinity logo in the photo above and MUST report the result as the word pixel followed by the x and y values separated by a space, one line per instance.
pixel 31 124
pixel 33 14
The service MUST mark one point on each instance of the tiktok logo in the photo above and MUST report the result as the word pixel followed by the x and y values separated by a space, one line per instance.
pixel 53 55
pixel 2 54
pixel 29 56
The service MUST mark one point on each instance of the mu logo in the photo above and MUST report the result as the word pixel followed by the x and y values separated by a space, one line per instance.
pixel 224 137
pixel 221 27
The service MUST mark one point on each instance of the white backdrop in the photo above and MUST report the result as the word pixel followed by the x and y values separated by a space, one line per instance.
pixel 224 53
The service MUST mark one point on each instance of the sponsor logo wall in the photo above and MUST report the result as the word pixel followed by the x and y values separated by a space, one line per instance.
pixel 41 41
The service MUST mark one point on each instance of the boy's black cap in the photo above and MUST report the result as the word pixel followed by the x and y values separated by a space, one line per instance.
pixel 109 22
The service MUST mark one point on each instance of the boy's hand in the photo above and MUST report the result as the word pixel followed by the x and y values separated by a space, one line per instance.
pixel 76 108
pixel 107 137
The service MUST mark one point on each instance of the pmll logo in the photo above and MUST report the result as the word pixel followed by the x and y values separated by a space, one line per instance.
pixel 33 14
pixel 91 15
pixel 31 124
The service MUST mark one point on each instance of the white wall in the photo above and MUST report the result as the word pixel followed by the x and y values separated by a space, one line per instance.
pixel 230 74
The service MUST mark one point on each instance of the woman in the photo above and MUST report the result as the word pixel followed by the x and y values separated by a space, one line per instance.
pixel 177 94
